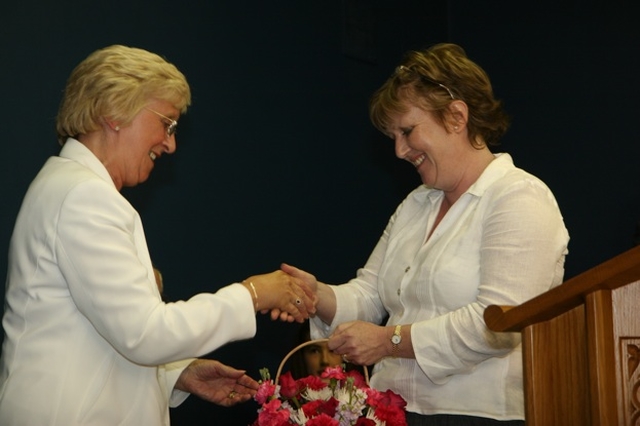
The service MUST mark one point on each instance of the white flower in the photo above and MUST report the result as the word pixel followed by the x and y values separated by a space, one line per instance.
pixel 321 394
pixel 371 416
pixel 298 417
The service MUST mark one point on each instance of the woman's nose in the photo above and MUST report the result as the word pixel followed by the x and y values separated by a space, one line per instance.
pixel 401 148
pixel 170 144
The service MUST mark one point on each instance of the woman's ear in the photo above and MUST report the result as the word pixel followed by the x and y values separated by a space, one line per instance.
pixel 112 124
pixel 458 116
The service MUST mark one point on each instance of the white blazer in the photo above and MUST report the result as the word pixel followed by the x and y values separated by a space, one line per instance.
pixel 88 340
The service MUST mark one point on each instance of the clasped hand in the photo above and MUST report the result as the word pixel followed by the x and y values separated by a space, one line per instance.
pixel 284 296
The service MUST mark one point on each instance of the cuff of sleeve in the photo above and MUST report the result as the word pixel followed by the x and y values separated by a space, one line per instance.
pixel 318 329
pixel 435 363
pixel 346 310
pixel 172 372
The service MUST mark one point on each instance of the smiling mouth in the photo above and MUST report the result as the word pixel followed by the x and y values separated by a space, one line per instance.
pixel 152 155
pixel 417 161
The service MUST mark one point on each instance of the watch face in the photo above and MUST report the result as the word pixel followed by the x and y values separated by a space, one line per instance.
pixel 395 339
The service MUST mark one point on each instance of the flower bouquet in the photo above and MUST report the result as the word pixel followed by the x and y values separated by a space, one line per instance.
pixel 341 399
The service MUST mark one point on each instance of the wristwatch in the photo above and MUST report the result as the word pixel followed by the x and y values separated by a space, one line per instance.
pixel 396 338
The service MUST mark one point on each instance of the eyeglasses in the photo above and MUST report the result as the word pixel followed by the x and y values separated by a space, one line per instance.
pixel 407 69
pixel 172 124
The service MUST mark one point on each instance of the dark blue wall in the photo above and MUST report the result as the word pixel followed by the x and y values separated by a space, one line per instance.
pixel 568 72
pixel 277 160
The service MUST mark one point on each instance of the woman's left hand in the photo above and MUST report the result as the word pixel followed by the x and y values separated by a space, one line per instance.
pixel 360 342
pixel 216 382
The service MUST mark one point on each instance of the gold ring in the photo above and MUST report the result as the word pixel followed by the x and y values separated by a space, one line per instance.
pixel 298 301
pixel 232 394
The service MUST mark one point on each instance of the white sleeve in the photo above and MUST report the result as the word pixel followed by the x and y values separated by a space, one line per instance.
pixel 103 256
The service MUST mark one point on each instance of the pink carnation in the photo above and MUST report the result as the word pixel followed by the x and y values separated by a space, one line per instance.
pixel 333 373
pixel 376 398
pixel 358 379
pixel 392 416
pixel 265 391
pixel 363 421
pixel 312 382
pixel 388 406
pixel 271 415
pixel 314 408
pixel 322 420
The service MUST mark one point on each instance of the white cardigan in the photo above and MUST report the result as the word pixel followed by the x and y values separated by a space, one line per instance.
pixel 88 340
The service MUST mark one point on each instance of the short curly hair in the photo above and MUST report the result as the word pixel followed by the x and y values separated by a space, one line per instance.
pixel 433 78
pixel 116 83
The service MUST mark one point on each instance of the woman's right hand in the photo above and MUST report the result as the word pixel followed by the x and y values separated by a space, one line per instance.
pixel 324 297
pixel 287 297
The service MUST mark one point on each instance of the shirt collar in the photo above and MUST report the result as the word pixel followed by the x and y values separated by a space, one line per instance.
pixel 493 172
pixel 76 151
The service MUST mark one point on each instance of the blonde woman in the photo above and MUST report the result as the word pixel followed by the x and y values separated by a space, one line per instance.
pixel 88 339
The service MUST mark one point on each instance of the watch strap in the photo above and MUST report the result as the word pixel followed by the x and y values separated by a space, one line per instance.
pixel 394 345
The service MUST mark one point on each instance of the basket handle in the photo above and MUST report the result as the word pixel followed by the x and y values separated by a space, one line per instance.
pixel 302 345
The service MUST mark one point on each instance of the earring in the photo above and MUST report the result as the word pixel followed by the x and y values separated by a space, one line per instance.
pixel 117 128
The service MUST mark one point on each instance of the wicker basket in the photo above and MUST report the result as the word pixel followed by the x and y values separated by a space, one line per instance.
pixel 312 342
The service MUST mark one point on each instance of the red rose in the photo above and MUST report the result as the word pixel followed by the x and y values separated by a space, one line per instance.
pixel 289 388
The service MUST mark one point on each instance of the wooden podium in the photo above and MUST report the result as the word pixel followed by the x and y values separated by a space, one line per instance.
pixel 581 347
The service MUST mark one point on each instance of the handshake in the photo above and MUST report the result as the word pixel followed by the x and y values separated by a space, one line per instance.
pixel 288 294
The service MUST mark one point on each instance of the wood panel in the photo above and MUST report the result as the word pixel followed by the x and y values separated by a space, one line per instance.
pixel 626 330
pixel 602 362
pixel 556 371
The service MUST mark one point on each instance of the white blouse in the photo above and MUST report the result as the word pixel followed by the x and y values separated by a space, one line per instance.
pixel 503 242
